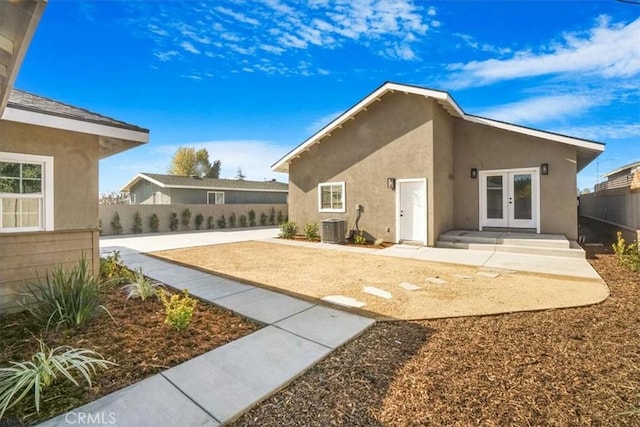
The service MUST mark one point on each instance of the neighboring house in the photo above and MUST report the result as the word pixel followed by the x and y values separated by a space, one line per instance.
pixel 157 189
pixel 49 154
pixel 417 165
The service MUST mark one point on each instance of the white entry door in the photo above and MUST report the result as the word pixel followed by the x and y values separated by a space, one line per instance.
pixel 509 198
pixel 411 206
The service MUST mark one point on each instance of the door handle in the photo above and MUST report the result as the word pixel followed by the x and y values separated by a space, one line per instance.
pixel 510 200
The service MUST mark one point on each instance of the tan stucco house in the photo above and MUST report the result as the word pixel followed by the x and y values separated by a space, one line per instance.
pixel 49 154
pixel 416 165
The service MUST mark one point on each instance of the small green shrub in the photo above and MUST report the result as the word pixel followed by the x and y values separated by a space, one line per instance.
pixel 142 287
pixel 252 218
pixel 65 298
pixel 154 223
pixel 209 222
pixel 243 220
pixel 359 238
pixel 115 224
pixel 47 365
pixel 263 218
pixel 272 217
pixel 311 231
pixel 186 219
pixel 137 223
pixel 222 222
pixel 199 221
pixel 112 271
pixel 378 242
pixel 288 230
pixel 628 255
pixel 179 309
pixel 280 217
pixel 173 221
pixel 232 220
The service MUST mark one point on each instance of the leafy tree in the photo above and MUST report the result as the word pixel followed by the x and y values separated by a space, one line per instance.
pixel 240 175
pixel 214 172
pixel 114 198
pixel 187 161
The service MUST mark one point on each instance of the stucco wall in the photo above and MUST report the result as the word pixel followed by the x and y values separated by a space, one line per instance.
pixel 127 213
pixel 485 148
pixel 619 206
pixel 443 186
pixel 392 139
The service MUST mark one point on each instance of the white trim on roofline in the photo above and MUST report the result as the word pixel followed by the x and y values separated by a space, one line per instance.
pixel 74 125
pixel 140 176
pixel 445 100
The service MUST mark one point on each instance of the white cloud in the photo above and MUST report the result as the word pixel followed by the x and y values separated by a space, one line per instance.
pixel 166 56
pixel 241 17
pixel 607 50
pixel 189 47
pixel 321 122
pixel 610 131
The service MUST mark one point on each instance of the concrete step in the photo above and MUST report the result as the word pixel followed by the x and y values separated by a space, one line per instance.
pixel 518 249
pixel 551 241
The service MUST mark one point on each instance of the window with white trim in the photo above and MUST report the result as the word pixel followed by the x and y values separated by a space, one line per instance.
pixel 331 197
pixel 26 192
pixel 215 197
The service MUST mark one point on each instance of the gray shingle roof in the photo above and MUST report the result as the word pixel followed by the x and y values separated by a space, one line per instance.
pixel 186 181
pixel 30 102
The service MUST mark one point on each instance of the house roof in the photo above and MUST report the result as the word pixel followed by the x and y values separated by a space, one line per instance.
pixel 586 150
pixel 630 167
pixel 175 181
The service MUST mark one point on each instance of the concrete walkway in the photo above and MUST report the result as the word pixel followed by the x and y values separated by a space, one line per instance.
pixel 220 385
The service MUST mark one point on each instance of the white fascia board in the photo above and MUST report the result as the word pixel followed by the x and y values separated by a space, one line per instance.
pixel 56 122
pixel 127 187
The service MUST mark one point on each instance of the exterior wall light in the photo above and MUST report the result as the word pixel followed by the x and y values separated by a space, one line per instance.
pixel 391 183
pixel 544 169
pixel 474 173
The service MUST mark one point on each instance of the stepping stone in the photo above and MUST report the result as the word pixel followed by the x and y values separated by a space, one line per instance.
pixel 343 301
pixel 409 286
pixel 436 280
pixel 462 276
pixel 377 292
pixel 488 274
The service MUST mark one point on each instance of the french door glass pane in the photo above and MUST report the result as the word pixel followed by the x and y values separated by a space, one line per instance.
pixel 494 197
pixel 522 208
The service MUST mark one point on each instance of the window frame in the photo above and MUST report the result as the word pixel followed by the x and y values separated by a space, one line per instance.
pixel 342 196
pixel 46 206
pixel 215 197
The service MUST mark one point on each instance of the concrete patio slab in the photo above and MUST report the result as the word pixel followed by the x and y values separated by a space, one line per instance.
pixel 262 305
pixel 455 256
pixel 230 379
pixel 213 287
pixel 151 402
pixel 576 267
pixel 325 326
pixel 174 276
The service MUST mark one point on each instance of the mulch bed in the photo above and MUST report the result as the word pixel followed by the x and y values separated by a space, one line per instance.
pixel 578 366
pixel 368 245
pixel 138 341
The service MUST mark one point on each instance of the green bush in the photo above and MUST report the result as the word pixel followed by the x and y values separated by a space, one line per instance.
pixel 199 221
pixel 272 217
pixel 243 220
pixel 628 255
pixel 47 365
pixel 154 223
pixel 263 218
pixel 137 223
pixel 222 222
pixel 112 271
pixel 209 222
pixel 359 238
pixel 280 217
pixel 232 220
pixel 252 218
pixel 186 219
pixel 288 229
pixel 142 287
pixel 173 221
pixel 179 310
pixel 65 298
pixel 115 224
pixel 311 231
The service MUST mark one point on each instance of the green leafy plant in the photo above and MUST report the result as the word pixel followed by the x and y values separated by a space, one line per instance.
pixel 628 255
pixel 137 223
pixel 359 238
pixel 209 222
pixel 243 220
pixel 288 230
pixel 173 221
pixel 142 287
pixel 252 218
pixel 222 222
pixel 199 220
pixel 272 217
pixel 186 219
pixel 232 220
pixel 264 218
pixel 154 223
pixel 179 309
pixel 280 218
pixel 115 224
pixel 65 298
pixel 20 379
pixel 113 271
pixel 311 231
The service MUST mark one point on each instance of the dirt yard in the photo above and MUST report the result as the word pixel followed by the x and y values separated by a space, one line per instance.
pixel 317 273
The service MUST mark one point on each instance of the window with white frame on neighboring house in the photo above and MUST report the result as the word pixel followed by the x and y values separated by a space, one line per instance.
pixel 215 197
pixel 331 197
pixel 26 192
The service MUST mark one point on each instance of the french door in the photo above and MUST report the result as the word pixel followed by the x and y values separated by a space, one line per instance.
pixel 510 198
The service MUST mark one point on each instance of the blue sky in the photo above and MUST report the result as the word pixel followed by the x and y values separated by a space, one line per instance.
pixel 249 81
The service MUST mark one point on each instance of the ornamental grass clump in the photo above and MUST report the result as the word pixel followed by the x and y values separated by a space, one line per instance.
pixel 179 309
pixel 21 379
pixel 142 287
